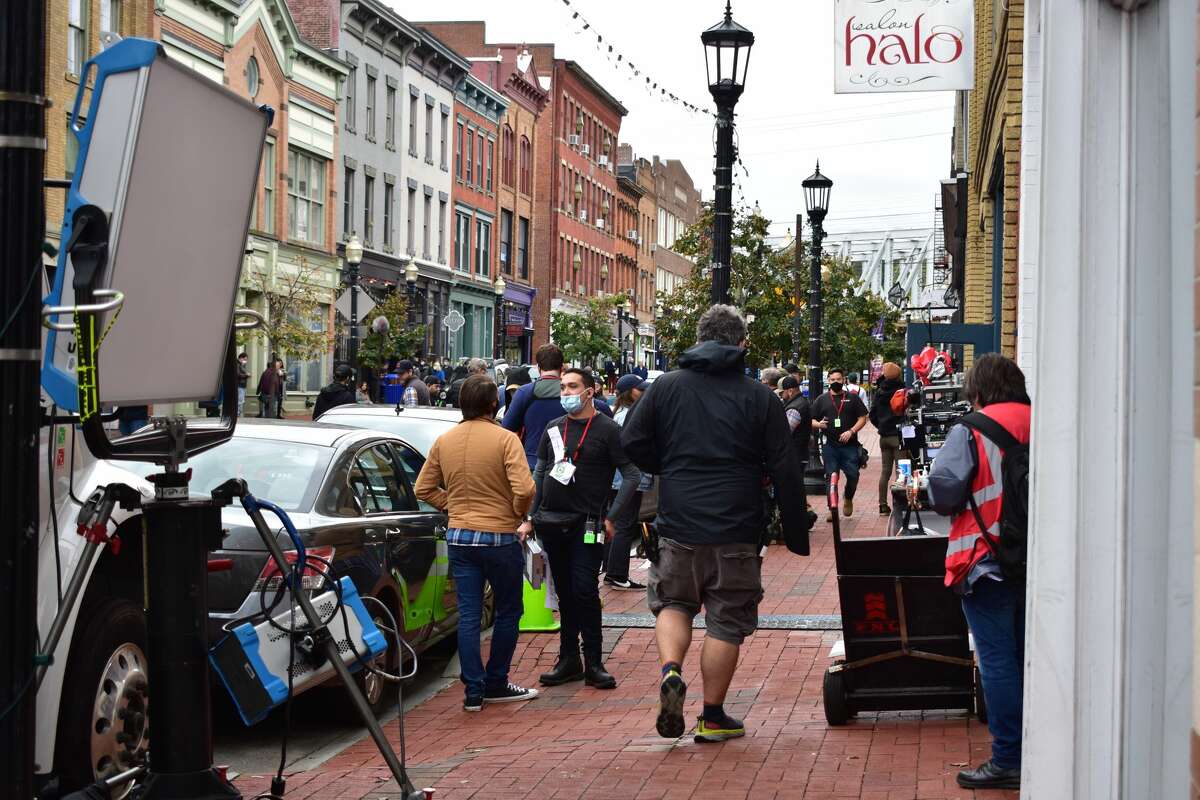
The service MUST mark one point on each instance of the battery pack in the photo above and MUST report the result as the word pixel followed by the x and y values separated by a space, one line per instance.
pixel 252 661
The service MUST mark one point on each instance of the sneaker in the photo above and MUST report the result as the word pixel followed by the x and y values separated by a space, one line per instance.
pixel 509 694
pixel 884 510
pixel 848 508
pixel 719 731
pixel 473 703
pixel 672 691
pixel 829 517
pixel 624 584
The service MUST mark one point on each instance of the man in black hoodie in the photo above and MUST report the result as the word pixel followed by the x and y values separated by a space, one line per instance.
pixel 712 434
pixel 338 393
pixel 887 423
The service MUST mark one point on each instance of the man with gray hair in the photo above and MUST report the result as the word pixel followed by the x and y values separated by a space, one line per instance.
pixel 770 378
pixel 712 434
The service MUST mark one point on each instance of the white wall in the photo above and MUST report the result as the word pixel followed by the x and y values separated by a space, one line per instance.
pixel 425 174
pixel 1030 204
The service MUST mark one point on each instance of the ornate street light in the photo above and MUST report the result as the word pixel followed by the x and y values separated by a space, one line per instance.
pixel 727 56
pixel 816 200
pixel 354 254
pixel 498 287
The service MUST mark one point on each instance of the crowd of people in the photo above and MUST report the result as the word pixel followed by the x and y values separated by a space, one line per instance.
pixel 544 457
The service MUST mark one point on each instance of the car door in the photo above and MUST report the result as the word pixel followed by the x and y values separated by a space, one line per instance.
pixel 445 609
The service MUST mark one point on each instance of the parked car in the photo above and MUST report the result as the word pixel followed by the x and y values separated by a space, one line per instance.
pixel 419 425
pixel 349 493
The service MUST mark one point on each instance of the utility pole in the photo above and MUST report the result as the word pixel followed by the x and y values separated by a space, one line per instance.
pixel 22 229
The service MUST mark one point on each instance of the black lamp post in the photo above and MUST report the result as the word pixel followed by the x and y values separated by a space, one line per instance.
pixel 727 54
pixel 354 254
pixel 498 322
pixel 816 200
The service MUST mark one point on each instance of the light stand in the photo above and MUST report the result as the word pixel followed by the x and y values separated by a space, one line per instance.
pixel 354 254
pixel 816 199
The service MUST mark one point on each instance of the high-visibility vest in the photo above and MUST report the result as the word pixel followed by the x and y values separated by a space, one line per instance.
pixel 966 547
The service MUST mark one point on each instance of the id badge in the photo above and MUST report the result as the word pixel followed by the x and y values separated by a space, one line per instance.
pixel 837 422
pixel 563 472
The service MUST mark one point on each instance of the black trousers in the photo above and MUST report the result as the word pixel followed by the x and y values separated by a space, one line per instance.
pixel 617 549
pixel 575 567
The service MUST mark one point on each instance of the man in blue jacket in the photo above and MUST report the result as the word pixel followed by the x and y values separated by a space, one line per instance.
pixel 536 404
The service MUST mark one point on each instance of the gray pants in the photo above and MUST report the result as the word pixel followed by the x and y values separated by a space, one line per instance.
pixel 889 451
pixel 268 408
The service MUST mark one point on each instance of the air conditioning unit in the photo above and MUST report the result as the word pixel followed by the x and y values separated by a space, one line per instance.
pixel 585 149
pixel 600 224
pixel 633 235
pixel 573 140
pixel 583 215
pixel 653 248
pixel 602 161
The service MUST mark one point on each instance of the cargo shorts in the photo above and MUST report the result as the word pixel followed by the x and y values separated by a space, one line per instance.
pixel 725 578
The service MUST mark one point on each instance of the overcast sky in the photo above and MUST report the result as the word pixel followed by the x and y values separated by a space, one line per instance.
pixel 884 152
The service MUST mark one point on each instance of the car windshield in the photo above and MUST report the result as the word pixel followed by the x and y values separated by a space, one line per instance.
pixel 286 473
pixel 417 431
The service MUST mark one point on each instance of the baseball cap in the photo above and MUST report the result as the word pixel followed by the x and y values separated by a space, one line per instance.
pixel 403 366
pixel 789 382
pixel 342 371
pixel 629 382
pixel 790 368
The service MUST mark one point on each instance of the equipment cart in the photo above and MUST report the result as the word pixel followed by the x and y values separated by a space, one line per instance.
pixel 905 644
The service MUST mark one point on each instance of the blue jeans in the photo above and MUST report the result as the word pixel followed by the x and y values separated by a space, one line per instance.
pixel 844 458
pixel 504 568
pixel 995 612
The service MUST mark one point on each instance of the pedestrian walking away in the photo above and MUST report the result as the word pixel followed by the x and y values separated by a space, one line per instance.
pixel 712 435
pixel 799 418
pixel 972 478
pixel 280 388
pixel 630 389
pixel 477 473
pixel 575 463
pixel 840 416
pixel 338 393
pixel 887 422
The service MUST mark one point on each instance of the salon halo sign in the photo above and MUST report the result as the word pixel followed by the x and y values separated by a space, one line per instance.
pixel 904 45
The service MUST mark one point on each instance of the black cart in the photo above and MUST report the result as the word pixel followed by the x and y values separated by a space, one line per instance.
pixel 905 637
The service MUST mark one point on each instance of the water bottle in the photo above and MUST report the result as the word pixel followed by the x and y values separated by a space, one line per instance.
pixel 410 397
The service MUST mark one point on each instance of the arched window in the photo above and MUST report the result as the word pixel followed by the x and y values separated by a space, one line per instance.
pixel 526 166
pixel 506 153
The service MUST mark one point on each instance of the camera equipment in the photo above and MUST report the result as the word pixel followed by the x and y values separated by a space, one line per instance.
pixel 930 413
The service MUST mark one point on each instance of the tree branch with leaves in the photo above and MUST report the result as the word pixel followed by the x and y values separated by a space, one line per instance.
pixel 295 324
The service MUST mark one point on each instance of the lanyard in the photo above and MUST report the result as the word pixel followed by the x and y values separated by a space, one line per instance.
pixel 838 410
pixel 582 439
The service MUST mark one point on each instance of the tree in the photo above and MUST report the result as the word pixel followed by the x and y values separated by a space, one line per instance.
pixel 400 339
pixel 294 323
pixel 587 336
pixel 848 318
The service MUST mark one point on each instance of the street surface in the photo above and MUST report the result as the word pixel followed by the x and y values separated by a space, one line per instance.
pixel 577 742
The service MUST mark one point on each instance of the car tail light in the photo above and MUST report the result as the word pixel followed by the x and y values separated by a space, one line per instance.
pixel 314 571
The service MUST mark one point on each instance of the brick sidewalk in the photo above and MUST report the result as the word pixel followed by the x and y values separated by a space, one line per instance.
pixel 576 742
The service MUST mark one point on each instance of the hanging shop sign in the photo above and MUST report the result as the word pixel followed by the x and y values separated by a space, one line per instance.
pixel 903 45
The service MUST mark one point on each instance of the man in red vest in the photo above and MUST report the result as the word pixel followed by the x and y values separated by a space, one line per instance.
pixel 969 465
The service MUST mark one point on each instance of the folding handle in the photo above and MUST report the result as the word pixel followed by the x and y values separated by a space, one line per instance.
pixel 257 321
pixel 117 299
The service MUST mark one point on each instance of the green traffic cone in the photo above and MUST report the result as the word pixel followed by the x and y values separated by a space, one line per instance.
pixel 536 618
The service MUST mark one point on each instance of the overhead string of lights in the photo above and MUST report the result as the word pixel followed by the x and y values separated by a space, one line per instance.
pixel 617 58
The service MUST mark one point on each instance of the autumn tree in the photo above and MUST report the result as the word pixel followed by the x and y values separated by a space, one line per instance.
pixel 295 323
pixel 587 336
pixel 397 338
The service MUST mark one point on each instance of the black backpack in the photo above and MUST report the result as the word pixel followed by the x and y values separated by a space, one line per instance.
pixel 1010 548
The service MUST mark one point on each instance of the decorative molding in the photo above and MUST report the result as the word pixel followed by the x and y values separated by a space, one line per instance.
pixel 1130 6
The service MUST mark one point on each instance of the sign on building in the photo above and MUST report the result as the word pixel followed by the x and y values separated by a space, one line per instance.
pixel 903 45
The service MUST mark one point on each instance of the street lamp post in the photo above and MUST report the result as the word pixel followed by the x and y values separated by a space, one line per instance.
pixel 410 281
pixel 658 315
pixel 631 321
pixel 727 54
pixel 498 323
pixel 354 254
pixel 816 200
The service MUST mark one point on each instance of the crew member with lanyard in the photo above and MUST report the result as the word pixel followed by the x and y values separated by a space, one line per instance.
pixel 840 416
pixel 575 462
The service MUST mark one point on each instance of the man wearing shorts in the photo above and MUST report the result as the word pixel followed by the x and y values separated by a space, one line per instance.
pixel 712 434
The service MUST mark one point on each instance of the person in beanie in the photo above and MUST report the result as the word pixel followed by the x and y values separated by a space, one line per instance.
pixel 338 393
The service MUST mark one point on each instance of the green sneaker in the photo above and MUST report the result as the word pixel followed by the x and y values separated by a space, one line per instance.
pixel 728 728
pixel 672 691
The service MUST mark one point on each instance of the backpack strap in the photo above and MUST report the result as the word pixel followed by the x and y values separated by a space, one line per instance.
pixel 993 430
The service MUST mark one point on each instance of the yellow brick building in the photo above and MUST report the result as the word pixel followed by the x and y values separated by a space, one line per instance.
pixel 987 145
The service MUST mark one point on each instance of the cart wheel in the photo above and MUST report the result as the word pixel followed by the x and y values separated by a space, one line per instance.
pixel 980 703
pixel 837 711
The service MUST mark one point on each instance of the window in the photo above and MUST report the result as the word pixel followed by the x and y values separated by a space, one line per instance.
pixel 350 81
pixel 412 221
pixel 412 125
pixel 253 79
pixel 369 209
pixel 441 231
pixel 469 146
pixel 389 197
pixel 110 20
pixel 389 121
pixel 77 36
pixel 491 159
pixel 306 197
pixel 506 241
pixel 348 204
pixel 523 248
pixel 428 224
pixel 71 150
pixel 370 108
pixel 428 133
pixel 462 242
pixel 267 224
pixel 445 136
pixel 479 160
pixel 526 166
pixel 458 155
pixel 375 483
pixel 506 156
pixel 483 248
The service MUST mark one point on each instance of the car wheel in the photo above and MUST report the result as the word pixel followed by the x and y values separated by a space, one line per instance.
pixel 103 725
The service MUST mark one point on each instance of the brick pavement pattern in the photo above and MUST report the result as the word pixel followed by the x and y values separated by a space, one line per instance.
pixel 577 742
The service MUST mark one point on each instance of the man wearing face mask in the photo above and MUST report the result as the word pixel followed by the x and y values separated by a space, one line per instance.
pixel 575 462
pixel 840 416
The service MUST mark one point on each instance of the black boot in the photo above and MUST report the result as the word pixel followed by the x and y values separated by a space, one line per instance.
pixel 597 676
pixel 989 776
pixel 568 668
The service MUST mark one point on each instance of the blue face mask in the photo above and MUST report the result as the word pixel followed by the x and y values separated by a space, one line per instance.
pixel 571 402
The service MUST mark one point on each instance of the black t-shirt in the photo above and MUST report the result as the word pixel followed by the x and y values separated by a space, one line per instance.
pixel 847 407
pixel 595 463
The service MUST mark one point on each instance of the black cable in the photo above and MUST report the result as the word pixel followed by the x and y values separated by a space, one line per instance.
pixel 53 505
pixel 21 303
